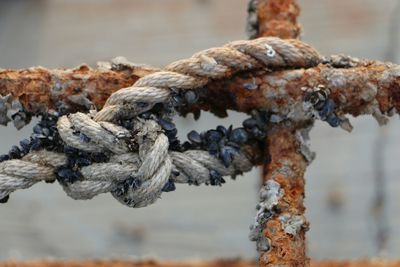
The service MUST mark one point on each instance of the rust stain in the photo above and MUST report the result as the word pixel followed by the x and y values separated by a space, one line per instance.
pixel 280 90
pixel 354 90
pixel 279 18
pixel 39 89
pixel 286 167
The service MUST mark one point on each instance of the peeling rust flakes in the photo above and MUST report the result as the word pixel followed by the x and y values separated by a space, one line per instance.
pixel 5 104
pixel 292 224
pixel 262 89
pixel 40 89
pixel 286 227
pixel 304 141
pixel 278 18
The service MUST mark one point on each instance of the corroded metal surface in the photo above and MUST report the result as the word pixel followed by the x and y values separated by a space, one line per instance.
pixel 39 89
pixel 354 89
pixel 284 222
pixel 283 176
pixel 278 18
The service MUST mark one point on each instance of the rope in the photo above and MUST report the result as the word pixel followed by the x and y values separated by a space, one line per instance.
pixel 129 148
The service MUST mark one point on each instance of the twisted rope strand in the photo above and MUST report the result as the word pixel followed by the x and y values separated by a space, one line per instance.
pixel 197 71
pixel 141 162
pixel 24 173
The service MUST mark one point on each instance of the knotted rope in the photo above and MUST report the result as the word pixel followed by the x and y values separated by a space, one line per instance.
pixel 138 160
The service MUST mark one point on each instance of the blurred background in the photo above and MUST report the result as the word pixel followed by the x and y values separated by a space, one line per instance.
pixel 354 178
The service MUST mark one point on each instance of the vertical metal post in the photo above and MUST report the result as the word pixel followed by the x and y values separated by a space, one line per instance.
pixel 281 210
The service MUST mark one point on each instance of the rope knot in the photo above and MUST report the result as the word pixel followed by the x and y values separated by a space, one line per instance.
pixel 145 186
pixel 130 149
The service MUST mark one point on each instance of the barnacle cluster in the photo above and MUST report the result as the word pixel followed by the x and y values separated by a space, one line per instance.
pixel 220 142
pixel 257 124
pixel 324 107
pixel 44 135
pixel 76 159
pixel 224 143
pixel 123 187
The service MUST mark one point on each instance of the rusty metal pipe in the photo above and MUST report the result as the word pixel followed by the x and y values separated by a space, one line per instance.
pixel 353 88
pixel 285 244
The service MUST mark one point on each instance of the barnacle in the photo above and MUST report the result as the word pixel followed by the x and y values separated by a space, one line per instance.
pixel 169 186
